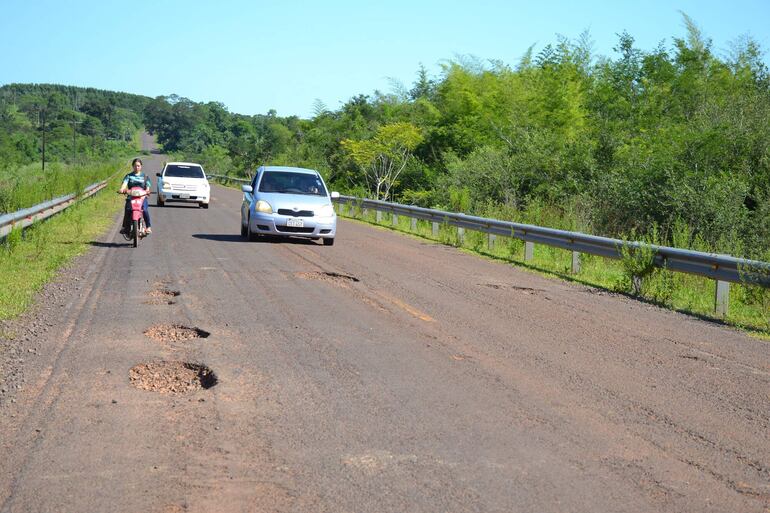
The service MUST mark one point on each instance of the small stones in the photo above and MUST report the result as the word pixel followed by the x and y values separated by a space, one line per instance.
pixel 162 296
pixel 174 333
pixel 172 377
pixel 327 276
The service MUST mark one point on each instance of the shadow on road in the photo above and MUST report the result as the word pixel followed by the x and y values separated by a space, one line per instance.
pixel 99 244
pixel 267 239
pixel 175 205
pixel 220 237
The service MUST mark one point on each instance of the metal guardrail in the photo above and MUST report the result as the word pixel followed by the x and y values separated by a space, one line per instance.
pixel 27 216
pixel 722 268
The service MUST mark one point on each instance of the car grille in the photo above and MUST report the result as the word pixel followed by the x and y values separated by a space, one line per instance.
pixel 295 213
pixel 182 187
pixel 294 229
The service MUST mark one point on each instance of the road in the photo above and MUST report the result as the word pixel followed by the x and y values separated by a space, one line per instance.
pixel 383 374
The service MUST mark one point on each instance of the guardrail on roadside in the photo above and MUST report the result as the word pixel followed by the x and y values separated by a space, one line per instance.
pixel 27 216
pixel 722 268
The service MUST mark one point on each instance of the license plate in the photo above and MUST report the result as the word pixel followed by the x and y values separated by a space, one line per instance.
pixel 299 223
pixel 184 196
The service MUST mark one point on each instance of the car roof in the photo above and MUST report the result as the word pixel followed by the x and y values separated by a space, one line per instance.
pixel 288 169
pixel 183 164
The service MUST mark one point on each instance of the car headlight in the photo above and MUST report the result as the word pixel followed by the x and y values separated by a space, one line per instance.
pixel 263 207
pixel 326 211
pixel 166 186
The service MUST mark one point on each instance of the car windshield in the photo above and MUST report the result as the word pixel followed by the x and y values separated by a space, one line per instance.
pixel 292 183
pixel 184 171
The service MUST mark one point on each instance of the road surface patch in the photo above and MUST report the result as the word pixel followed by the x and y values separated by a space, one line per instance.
pixel 505 286
pixel 332 277
pixel 162 296
pixel 174 333
pixel 172 377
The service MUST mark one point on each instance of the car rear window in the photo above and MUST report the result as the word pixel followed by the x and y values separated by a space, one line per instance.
pixel 292 183
pixel 184 171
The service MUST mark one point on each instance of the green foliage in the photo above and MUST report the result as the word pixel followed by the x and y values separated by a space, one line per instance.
pixel 756 278
pixel 672 136
pixel 637 261
pixel 65 124
pixel 28 185
pixel 383 157
pixel 13 239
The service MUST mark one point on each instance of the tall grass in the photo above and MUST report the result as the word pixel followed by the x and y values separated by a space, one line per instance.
pixel 29 185
pixel 31 258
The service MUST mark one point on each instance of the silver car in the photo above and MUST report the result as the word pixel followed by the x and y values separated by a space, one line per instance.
pixel 288 201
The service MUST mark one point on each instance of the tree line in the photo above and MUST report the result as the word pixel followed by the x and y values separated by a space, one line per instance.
pixel 66 123
pixel 675 138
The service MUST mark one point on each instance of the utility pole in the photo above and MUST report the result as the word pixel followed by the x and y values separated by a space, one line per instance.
pixel 43 112
pixel 74 134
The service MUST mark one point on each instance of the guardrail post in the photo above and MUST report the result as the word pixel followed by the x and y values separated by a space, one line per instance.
pixel 364 212
pixel 529 251
pixel 394 219
pixel 378 216
pixel 460 235
pixel 575 262
pixel 491 237
pixel 434 229
pixel 414 224
pixel 722 299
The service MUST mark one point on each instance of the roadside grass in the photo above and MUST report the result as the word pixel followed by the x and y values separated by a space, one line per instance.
pixel 749 307
pixel 30 259
pixel 29 185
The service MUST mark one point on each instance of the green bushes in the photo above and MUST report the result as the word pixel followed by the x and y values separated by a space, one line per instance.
pixel 28 185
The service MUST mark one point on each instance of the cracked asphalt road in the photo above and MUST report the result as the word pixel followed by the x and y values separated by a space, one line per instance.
pixel 385 373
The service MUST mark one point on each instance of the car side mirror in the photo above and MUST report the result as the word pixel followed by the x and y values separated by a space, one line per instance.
pixel 158 174
pixel 247 188
pixel 335 195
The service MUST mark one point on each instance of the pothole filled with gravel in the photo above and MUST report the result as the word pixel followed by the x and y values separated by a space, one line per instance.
pixel 504 286
pixel 174 333
pixel 327 276
pixel 162 296
pixel 172 377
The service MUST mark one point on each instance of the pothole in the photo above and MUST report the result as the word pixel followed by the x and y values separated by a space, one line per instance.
pixel 499 286
pixel 162 297
pixel 327 276
pixel 174 333
pixel 172 377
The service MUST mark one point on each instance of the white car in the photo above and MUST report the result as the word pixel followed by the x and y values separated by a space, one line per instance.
pixel 183 181
pixel 288 201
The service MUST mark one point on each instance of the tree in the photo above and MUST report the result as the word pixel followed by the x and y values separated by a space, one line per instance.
pixel 383 157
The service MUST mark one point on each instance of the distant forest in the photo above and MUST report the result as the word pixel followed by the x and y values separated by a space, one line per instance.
pixel 672 141
pixel 78 123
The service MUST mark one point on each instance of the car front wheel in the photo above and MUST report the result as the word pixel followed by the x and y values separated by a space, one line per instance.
pixel 329 242
pixel 249 234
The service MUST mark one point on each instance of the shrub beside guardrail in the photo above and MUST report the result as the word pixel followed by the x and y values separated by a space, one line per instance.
pixel 724 269
pixel 28 216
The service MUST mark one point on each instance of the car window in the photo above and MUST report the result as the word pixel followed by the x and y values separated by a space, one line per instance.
pixel 292 183
pixel 184 171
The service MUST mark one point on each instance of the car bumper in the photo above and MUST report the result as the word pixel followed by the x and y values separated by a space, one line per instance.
pixel 313 227
pixel 189 197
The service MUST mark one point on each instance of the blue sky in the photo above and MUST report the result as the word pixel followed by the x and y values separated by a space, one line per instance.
pixel 259 55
